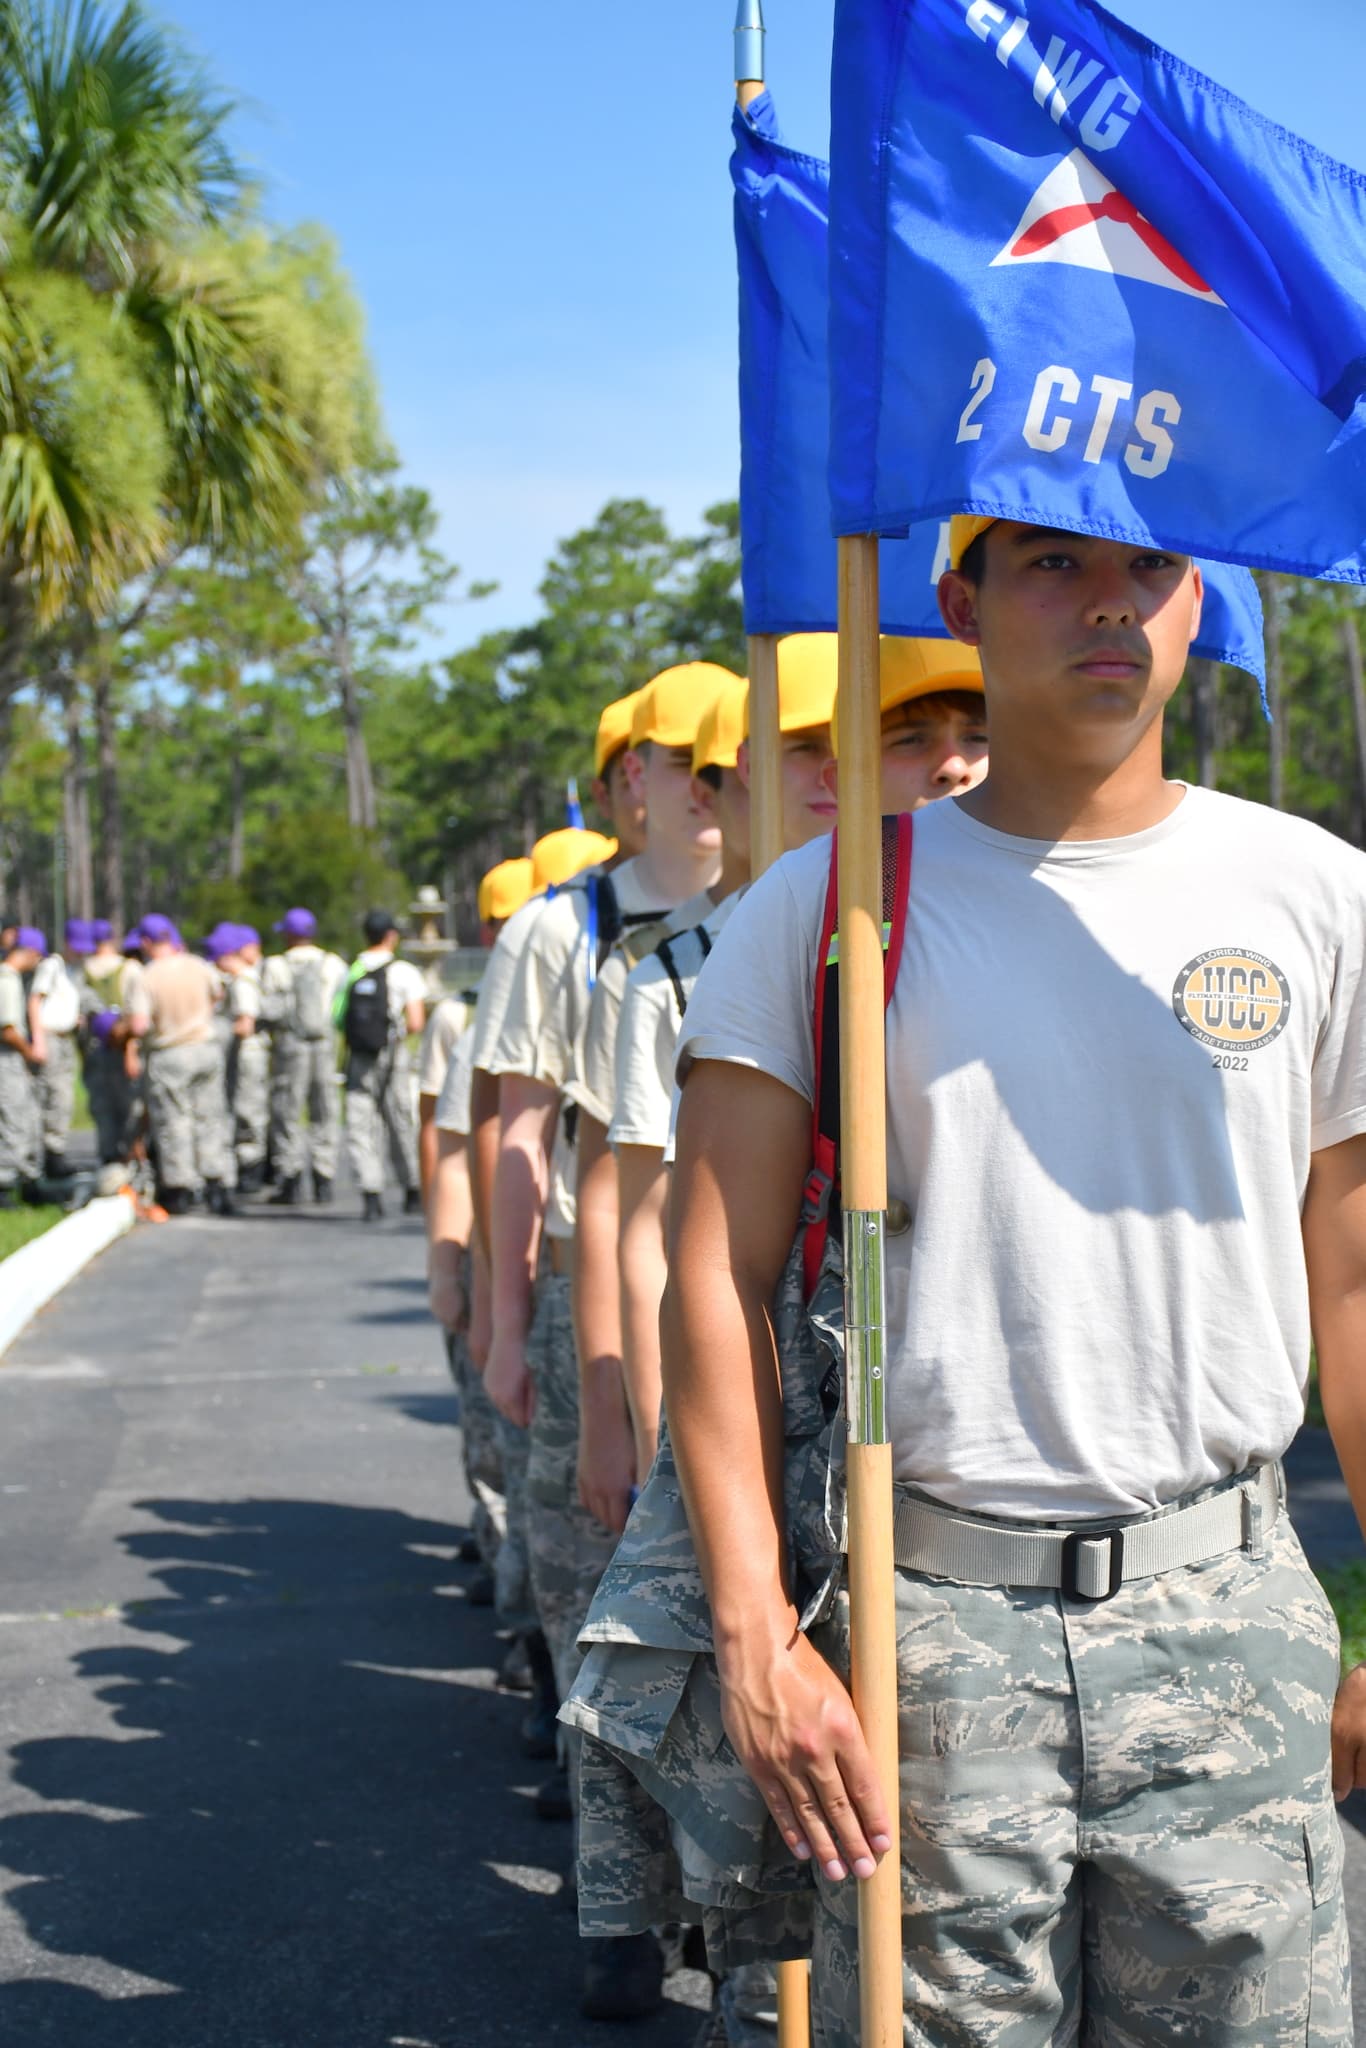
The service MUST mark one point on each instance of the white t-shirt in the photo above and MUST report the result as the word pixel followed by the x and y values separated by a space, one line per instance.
pixel 403 982
pixel 647 1039
pixel 13 1008
pixel 592 1083
pixel 447 1024
pixel 244 993
pixel 57 987
pixel 453 1103
pixel 1108 1064
pixel 279 971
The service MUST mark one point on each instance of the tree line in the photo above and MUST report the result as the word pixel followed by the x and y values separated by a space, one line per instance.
pixel 221 601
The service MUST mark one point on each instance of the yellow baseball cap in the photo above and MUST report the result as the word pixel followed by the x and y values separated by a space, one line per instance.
pixel 505 888
pixel 567 852
pixel 722 729
pixel 669 709
pixel 964 528
pixel 614 730
pixel 808 677
pixel 908 669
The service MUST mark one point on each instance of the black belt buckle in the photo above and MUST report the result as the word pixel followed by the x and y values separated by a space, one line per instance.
pixel 1071 1559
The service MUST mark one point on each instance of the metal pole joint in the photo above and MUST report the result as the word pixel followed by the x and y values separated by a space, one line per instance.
pixel 865 1324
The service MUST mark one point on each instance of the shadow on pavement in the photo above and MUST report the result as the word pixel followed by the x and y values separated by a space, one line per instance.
pixel 309 1825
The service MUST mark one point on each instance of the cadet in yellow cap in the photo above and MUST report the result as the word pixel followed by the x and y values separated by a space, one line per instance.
pixel 503 890
pixel 558 856
pixel 808 677
pixel 934 722
pixel 539 1058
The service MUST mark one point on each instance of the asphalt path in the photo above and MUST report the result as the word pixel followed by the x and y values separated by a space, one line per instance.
pixel 260 1789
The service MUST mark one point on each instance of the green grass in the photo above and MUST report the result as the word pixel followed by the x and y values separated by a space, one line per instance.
pixel 21 1226
pixel 1345 1585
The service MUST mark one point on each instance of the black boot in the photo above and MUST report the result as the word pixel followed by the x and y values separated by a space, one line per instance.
pixel 218 1199
pixel 251 1179
pixel 623 1978
pixel 514 1673
pixel 373 1210
pixel 412 1202
pixel 479 1590
pixel 322 1190
pixel 175 1201
pixel 287 1195
pixel 56 1166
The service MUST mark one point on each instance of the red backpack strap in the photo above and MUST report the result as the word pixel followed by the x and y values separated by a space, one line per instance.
pixel 897 839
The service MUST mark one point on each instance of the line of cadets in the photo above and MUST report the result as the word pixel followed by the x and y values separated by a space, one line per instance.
pixel 546 1148
pixel 208 1072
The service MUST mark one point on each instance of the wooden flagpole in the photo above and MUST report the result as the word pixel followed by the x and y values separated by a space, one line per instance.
pixel 765 845
pixel 863 1173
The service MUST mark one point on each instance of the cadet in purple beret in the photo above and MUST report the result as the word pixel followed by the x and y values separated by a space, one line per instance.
pixel 299 988
pixel 21 1133
pixel 54 1018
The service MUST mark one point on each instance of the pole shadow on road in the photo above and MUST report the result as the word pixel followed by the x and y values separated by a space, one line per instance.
pixel 310 1825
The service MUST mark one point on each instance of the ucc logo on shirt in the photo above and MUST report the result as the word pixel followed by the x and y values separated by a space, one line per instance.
pixel 1232 999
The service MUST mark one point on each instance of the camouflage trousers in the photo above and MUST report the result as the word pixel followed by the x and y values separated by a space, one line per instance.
pixel 482 1460
pixel 188 1107
pixel 1116 1819
pixel 303 1079
pixel 21 1132
pixel 513 1602
pixel 570 1550
pixel 248 1097
pixel 57 1091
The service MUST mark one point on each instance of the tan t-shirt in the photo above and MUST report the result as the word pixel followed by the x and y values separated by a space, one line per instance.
pixel 13 1008
pixel 179 993
pixel 448 1023
pixel 453 1103
pixel 498 979
pixel 646 1040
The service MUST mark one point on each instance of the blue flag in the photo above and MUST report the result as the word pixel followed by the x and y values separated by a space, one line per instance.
pixel 1081 285
pixel 787 548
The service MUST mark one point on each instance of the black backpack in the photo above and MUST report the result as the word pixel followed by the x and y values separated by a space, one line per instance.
pixel 366 1025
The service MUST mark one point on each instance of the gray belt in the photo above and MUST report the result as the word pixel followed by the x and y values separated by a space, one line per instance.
pixel 1093 1560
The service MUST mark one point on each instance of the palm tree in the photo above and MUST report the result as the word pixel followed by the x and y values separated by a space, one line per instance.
pixel 156 391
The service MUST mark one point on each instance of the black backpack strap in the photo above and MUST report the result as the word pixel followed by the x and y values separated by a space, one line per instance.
pixel 669 962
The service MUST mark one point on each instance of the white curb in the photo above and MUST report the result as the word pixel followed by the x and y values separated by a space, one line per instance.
pixel 31 1276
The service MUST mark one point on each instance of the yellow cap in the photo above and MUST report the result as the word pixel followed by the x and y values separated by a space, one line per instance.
pixel 964 528
pixel 614 730
pixel 567 852
pixel 722 729
pixel 918 668
pixel 505 889
pixel 669 709
pixel 808 676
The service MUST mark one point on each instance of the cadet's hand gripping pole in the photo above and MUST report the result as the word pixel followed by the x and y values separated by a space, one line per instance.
pixel 765 845
pixel 863 1176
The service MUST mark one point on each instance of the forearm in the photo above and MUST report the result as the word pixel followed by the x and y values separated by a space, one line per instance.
pixel 426 1150
pixel 520 1188
pixel 484 1128
pixel 597 1319
pixel 450 1211
pixel 642 1270
pixel 1341 1342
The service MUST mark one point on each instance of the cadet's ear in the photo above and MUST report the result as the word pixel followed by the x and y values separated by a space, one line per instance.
pixel 742 763
pixel 1198 602
pixel 958 607
pixel 830 777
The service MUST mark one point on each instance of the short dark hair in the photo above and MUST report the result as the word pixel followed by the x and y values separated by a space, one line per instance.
pixel 378 925
pixel 974 562
pixel 971 703
pixel 710 774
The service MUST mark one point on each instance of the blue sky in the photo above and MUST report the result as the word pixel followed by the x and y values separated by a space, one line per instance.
pixel 531 197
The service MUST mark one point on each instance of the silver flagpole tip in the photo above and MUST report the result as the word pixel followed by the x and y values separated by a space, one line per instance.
pixel 749 41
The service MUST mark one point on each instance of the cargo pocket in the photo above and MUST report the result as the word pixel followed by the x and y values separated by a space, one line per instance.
pixel 1330 1991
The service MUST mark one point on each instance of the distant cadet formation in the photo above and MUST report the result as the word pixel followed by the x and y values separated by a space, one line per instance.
pixel 547 1141
pixel 209 1072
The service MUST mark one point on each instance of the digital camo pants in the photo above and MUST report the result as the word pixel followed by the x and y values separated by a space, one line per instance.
pixel 304 1081
pixel 188 1111
pixel 482 1458
pixel 57 1091
pixel 1116 1819
pixel 248 1095
pixel 21 1129
pixel 381 1118
pixel 570 1549
pixel 111 1100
